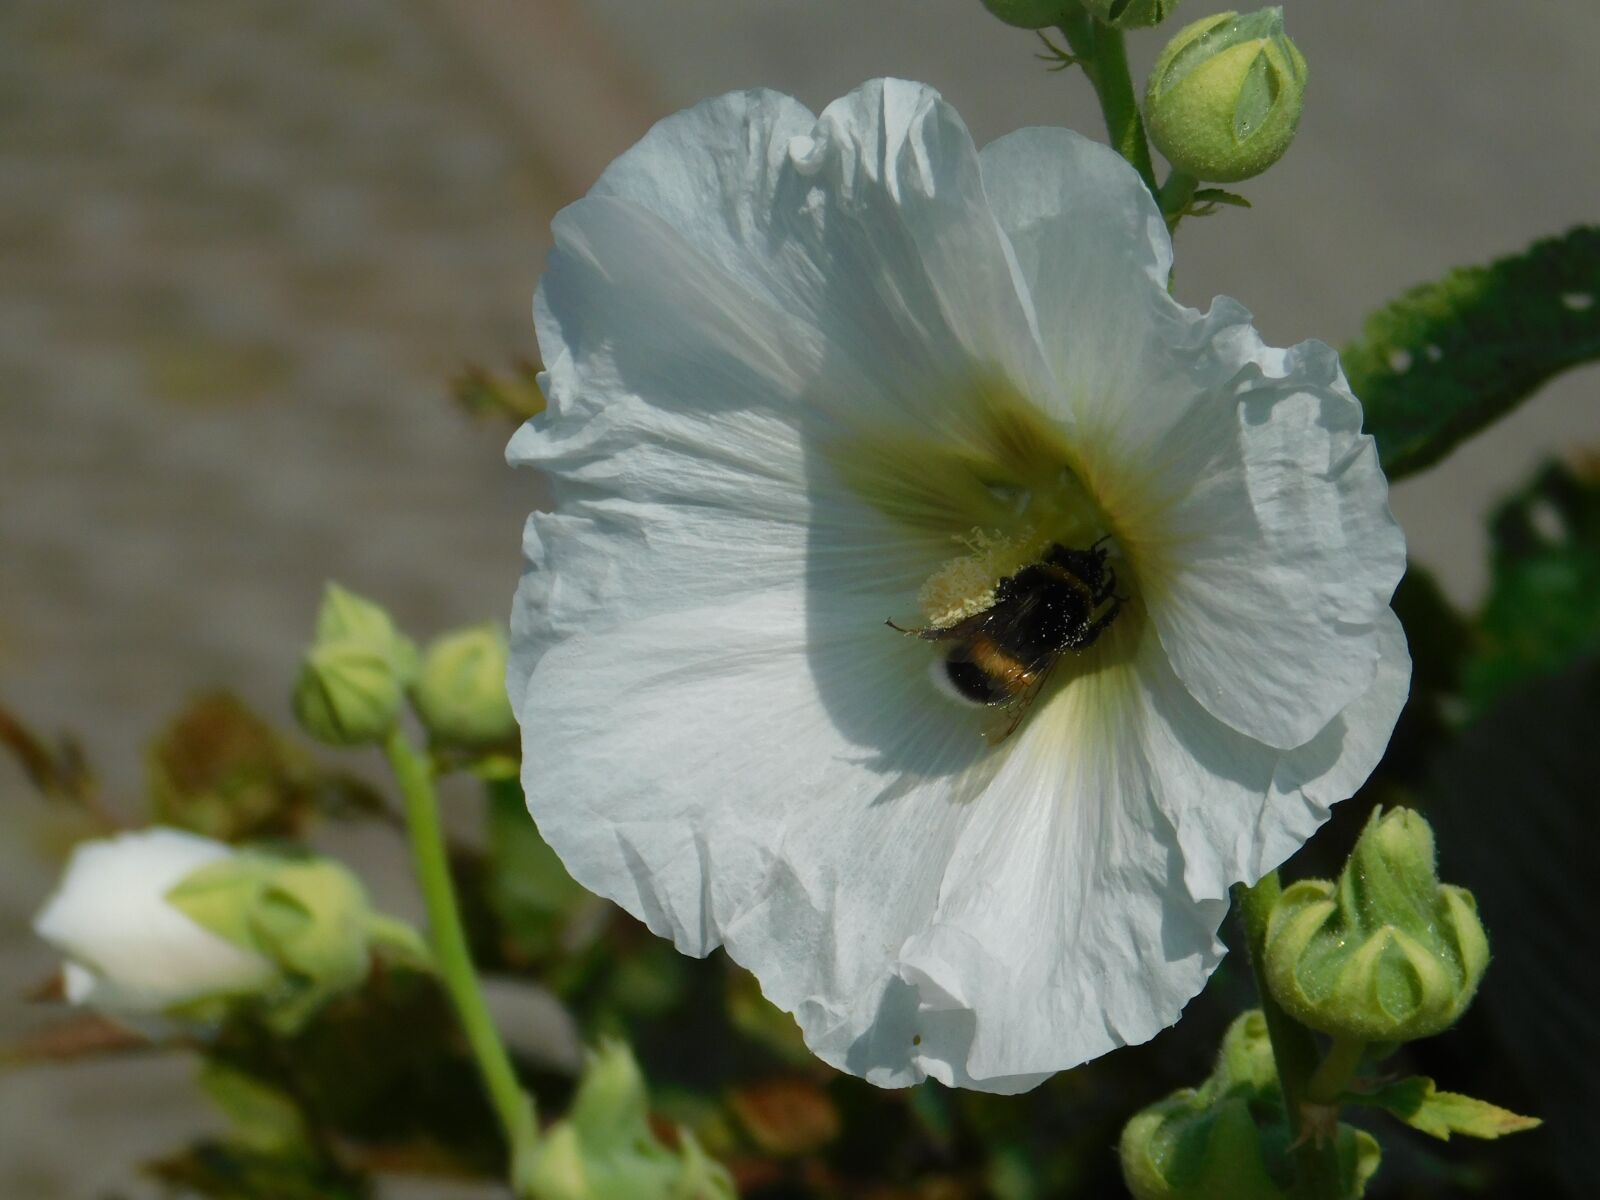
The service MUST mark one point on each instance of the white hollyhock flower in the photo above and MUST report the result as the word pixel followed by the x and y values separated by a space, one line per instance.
pixel 809 374
pixel 129 953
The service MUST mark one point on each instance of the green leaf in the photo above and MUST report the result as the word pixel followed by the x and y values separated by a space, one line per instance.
pixel 1448 358
pixel 527 888
pixel 381 1071
pixel 512 395
pixel 1543 609
pixel 55 767
pixel 261 1117
pixel 220 769
pixel 1439 1114
pixel 1216 195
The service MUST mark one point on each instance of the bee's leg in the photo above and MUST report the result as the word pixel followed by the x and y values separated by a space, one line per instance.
pixel 1096 627
pixel 941 633
pixel 1108 587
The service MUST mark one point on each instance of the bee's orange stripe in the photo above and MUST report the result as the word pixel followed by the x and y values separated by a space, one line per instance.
pixel 999 664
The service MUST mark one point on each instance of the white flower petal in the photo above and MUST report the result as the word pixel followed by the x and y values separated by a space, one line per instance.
pixel 1236 474
pixel 1271 552
pixel 777 772
pixel 788 783
pixel 865 245
pixel 1093 251
pixel 129 951
pixel 1063 928
pixel 1241 807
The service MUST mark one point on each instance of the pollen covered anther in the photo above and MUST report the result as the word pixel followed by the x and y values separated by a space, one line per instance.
pixel 965 585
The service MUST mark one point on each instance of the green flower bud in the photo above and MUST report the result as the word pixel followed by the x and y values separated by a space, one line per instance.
pixel 1131 14
pixel 1229 1139
pixel 1030 14
pixel 345 615
pixel 1225 96
pixel 1244 1061
pixel 604 1149
pixel 353 679
pixel 612 1103
pixel 1183 1149
pixel 1387 954
pixel 309 917
pixel 460 693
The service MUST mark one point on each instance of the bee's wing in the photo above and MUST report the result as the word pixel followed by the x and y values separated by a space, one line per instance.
pixel 1009 624
pixel 1018 708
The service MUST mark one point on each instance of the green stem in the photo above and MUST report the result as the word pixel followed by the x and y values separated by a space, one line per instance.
pixel 1099 48
pixel 512 1105
pixel 1175 196
pixel 1331 1079
pixel 1294 1049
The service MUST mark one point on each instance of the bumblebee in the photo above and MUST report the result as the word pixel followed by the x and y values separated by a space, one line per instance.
pixel 1002 655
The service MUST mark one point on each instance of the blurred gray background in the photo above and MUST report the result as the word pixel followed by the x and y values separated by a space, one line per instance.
pixel 244 243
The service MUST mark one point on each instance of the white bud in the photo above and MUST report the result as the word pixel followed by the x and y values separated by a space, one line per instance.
pixel 129 952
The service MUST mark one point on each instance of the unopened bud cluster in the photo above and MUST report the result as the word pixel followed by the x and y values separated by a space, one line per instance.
pixel 604 1149
pixel 1229 1138
pixel 1385 954
pixel 360 670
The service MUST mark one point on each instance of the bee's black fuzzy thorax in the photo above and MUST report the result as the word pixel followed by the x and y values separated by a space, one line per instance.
pixel 1062 602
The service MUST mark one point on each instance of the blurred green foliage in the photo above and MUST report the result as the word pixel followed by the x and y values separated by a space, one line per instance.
pixel 1447 358
pixel 1543 610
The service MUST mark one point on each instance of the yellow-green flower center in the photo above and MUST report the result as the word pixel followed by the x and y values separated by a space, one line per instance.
pixel 998 484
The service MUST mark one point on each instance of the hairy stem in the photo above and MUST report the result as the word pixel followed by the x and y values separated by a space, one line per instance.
pixel 512 1105
pixel 1294 1049
pixel 1100 50
pixel 1329 1081
pixel 1175 196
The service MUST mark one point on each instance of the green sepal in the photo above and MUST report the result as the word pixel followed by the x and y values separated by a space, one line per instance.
pixel 1420 1105
pixel 1447 358
pixel 309 917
